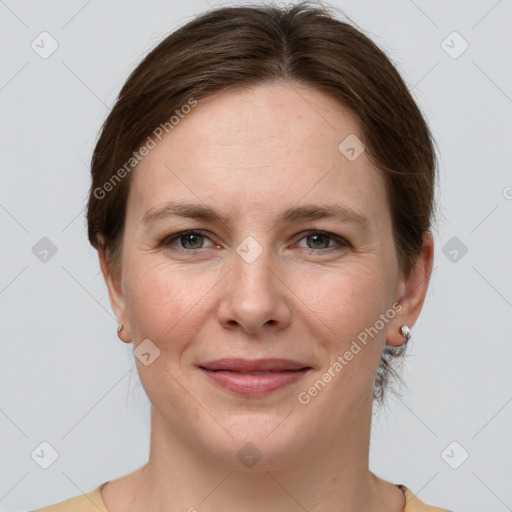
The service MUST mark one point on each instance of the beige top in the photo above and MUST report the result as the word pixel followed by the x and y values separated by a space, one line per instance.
pixel 92 502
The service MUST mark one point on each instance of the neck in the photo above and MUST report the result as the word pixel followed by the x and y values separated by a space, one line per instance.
pixel 333 475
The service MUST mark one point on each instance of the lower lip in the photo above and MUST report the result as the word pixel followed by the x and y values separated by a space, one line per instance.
pixel 254 385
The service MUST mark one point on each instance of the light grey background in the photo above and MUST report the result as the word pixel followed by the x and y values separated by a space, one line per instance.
pixel 66 379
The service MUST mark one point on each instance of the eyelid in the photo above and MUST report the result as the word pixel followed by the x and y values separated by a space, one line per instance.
pixel 341 241
pixel 168 240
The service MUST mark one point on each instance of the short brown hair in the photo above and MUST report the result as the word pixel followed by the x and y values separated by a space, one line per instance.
pixel 259 44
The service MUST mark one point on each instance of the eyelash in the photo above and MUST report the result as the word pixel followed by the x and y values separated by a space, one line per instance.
pixel 342 242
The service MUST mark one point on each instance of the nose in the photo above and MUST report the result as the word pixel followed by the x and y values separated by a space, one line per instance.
pixel 254 296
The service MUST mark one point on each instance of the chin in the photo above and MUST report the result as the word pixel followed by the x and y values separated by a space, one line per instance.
pixel 256 441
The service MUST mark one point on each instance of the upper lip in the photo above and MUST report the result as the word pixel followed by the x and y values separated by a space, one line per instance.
pixel 254 365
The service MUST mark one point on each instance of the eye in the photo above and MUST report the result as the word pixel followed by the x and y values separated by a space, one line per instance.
pixel 189 240
pixel 194 239
pixel 321 240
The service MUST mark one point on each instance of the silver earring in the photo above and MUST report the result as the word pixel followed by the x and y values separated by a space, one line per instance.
pixel 406 332
pixel 119 327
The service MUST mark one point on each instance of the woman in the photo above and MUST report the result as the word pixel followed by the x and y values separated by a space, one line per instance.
pixel 261 199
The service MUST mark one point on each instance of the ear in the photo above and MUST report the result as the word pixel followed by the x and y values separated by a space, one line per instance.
pixel 412 292
pixel 115 293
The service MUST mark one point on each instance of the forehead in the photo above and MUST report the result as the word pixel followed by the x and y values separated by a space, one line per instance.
pixel 260 147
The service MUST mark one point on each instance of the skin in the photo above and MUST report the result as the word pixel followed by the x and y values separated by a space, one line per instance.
pixel 253 153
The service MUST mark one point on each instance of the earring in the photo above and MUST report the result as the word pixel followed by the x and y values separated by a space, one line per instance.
pixel 119 329
pixel 406 332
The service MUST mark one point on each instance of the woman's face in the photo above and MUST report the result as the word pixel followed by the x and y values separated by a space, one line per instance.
pixel 268 276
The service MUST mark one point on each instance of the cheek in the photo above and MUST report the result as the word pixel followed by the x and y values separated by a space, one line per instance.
pixel 347 298
pixel 350 302
pixel 164 300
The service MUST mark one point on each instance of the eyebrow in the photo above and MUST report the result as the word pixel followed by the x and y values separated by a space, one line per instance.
pixel 305 212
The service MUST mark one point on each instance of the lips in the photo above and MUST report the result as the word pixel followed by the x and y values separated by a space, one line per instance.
pixel 256 366
pixel 254 378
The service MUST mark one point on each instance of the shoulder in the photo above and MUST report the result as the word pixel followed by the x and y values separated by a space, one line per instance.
pixel 88 502
pixel 414 504
pixel 92 502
